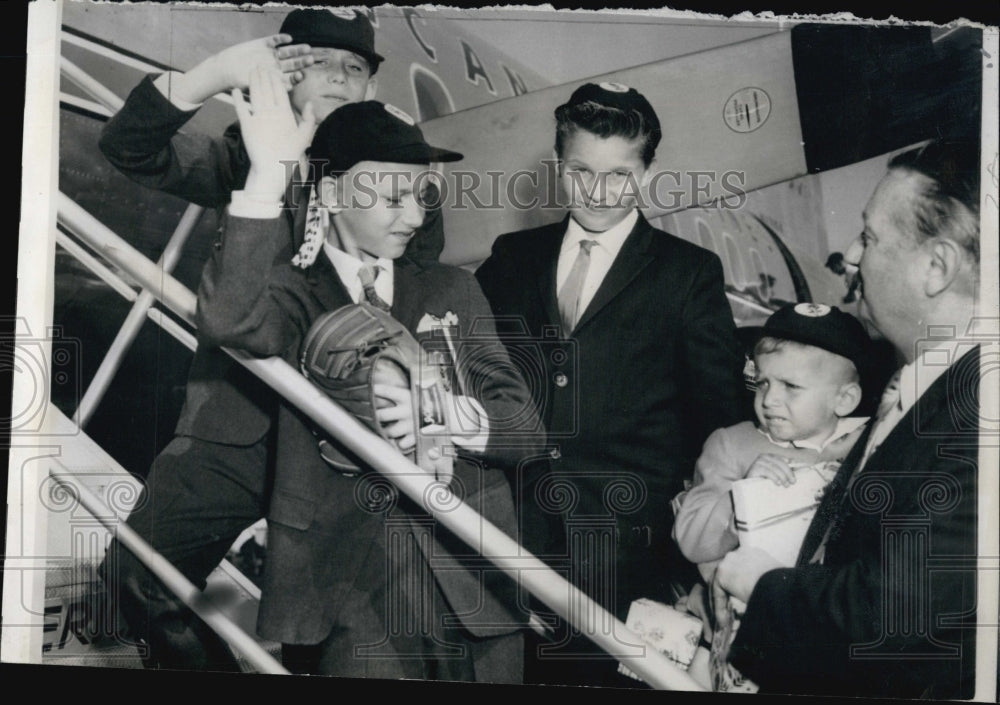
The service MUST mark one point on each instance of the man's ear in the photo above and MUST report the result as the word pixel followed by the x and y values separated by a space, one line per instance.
pixel 946 260
pixel 848 399
pixel 329 194
pixel 371 89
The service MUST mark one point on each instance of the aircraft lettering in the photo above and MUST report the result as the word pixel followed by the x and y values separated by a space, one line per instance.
pixel 410 13
pixel 474 68
pixel 517 86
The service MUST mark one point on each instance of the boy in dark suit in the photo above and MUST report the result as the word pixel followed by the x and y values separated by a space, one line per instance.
pixel 335 588
pixel 651 366
pixel 212 480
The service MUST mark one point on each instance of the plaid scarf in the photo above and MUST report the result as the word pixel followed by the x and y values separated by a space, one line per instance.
pixel 317 223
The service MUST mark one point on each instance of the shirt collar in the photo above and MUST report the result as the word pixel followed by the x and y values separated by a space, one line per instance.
pixel 610 240
pixel 845 426
pixel 347 267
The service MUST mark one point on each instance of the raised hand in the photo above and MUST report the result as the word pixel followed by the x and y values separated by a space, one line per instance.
pixel 274 139
pixel 231 68
pixel 234 65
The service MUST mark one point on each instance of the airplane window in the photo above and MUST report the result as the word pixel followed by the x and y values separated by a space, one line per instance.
pixel 735 262
pixel 430 95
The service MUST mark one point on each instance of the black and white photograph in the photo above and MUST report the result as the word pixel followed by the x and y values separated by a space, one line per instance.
pixel 623 350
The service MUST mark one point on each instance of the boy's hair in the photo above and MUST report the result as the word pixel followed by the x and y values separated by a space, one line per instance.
pixel 769 344
pixel 609 110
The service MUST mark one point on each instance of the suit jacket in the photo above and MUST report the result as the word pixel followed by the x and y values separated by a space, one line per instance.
pixel 144 140
pixel 321 528
pixel 652 367
pixel 882 615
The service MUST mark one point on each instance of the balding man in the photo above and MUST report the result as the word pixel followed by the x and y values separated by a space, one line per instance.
pixel 882 601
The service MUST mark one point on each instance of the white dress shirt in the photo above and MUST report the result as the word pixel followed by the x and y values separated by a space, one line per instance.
pixel 348 267
pixel 602 255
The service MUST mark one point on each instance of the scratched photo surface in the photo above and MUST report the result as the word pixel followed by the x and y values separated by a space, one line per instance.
pixel 775 133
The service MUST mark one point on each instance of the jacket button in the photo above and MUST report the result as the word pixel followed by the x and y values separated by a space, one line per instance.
pixel 555 454
pixel 561 380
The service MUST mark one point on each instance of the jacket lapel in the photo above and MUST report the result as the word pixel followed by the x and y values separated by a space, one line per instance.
pixel 632 259
pixel 545 262
pixel 406 294
pixel 832 500
pixel 933 402
pixel 327 287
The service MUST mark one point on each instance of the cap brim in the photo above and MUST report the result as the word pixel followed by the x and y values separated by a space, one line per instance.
pixel 422 154
pixel 371 57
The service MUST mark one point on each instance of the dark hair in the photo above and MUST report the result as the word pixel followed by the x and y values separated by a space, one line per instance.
pixel 947 198
pixel 606 121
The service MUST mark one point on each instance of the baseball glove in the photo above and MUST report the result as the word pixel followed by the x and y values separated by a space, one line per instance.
pixel 349 350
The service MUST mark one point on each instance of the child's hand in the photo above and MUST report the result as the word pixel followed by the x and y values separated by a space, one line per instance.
pixel 774 468
pixel 233 65
pixel 396 417
pixel 274 139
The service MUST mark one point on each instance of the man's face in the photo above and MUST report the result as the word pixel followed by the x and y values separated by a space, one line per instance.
pixel 336 77
pixel 602 178
pixel 380 208
pixel 798 391
pixel 889 260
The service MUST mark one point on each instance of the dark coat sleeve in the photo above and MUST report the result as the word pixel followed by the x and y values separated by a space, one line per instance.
pixel 492 379
pixel 711 355
pixel 144 141
pixel 244 300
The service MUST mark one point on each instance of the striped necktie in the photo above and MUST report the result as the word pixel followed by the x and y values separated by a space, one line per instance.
pixel 367 274
pixel 569 295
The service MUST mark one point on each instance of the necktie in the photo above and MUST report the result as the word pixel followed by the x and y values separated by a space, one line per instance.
pixel 885 420
pixel 367 275
pixel 886 417
pixel 569 295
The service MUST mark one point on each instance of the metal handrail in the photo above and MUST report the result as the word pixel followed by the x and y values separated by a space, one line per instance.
pixel 560 595
pixel 133 321
pixel 174 580
pixel 90 85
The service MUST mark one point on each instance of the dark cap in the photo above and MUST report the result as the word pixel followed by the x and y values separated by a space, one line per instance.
pixel 823 326
pixel 616 95
pixel 372 131
pixel 337 28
